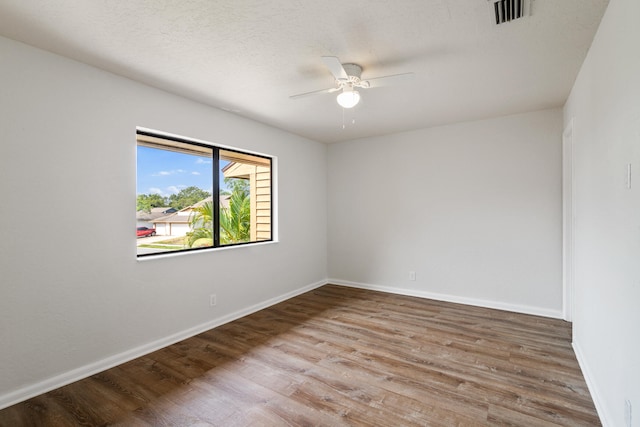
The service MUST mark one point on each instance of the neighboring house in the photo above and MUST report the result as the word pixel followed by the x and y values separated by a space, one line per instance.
pixel 145 219
pixel 176 224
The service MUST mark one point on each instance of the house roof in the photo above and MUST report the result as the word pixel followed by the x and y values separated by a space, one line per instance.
pixel 163 209
pixel 154 213
pixel 173 219
pixel 197 205
pixel 180 217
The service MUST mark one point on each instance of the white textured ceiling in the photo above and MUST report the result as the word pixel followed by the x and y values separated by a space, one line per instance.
pixel 249 56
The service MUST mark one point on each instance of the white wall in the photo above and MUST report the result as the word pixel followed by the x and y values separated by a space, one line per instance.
pixel 473 208
pixel 73 294
pixel 605 107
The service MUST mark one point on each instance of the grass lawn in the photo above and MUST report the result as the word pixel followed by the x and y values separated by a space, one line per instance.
pixel 173 241
pixel 171 244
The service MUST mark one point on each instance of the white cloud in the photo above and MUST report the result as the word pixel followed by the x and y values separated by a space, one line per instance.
pixel 174 189
pixel 202 161
pixel 195 173
pixel 171 172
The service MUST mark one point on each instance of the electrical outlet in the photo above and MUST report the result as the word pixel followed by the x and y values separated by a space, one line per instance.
pixel 212 300
pixel 627 413
pixel 412 275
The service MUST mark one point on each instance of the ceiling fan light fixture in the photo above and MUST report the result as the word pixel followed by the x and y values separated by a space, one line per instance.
pixel 348 98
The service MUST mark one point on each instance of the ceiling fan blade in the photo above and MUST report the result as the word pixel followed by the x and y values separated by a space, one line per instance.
pixel 315 92
pixel 336 68
pixel 390 80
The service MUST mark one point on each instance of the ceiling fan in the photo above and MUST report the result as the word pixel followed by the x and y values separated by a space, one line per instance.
pixel 348 79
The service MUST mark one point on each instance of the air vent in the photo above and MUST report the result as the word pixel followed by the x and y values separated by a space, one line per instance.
pixel 509 10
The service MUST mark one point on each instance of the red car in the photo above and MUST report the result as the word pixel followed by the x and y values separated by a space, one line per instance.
pixel 145 232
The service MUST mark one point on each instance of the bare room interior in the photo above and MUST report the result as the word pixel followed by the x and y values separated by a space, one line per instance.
pixel 457 244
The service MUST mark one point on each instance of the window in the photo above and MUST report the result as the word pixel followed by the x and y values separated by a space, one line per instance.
pixel 192 196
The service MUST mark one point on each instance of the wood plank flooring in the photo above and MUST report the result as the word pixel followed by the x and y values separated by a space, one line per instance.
pixel 338 356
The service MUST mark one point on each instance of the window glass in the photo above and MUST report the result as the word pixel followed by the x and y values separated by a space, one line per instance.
pixel 245 198
pixel 192 196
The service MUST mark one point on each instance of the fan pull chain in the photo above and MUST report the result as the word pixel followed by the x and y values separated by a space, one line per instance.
pixel 353 119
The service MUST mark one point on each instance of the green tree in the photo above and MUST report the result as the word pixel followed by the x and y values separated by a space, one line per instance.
pixel 235 221
pixel 187 197
pixel 147 201
pixel 201 223
pixel 236 184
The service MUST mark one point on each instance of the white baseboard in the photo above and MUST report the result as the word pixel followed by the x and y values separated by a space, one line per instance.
pixel 85 371
pixel 537 311
pixel 605 417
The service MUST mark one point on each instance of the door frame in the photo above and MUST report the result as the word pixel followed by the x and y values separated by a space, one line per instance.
pixel 568 221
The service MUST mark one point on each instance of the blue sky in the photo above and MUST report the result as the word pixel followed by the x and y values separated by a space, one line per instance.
pixel 165 172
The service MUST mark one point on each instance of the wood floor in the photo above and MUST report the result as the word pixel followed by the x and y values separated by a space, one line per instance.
pixel 338 356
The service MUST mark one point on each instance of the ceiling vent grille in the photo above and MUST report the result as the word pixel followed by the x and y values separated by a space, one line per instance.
pixel 509 10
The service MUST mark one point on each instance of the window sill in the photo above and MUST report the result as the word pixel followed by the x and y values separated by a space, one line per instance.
pixel 202 251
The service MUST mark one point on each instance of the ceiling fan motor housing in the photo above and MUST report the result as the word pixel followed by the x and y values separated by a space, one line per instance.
pixel 353 70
